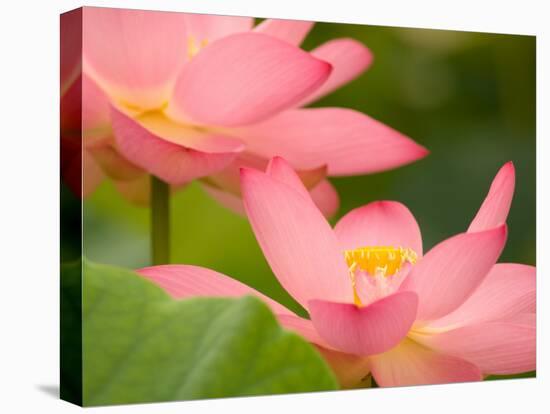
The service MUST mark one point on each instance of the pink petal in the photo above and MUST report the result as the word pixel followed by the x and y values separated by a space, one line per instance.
pixel 291 31
pixel 349 369
pixel 380 223
pixel 211 142
pixel 451 271
pixel 134 55
pixel 326 198
pixel 205 28
pixel 170 162
pixel 322 193
pixel 85 111
pixel 229 179
pixel 348 57
pixel 244 78
pixel 347 141
pixel 296 240
pixel 185 281
pixel 367 330
pixel 496 206
pixel 302 327
pixel 497 347
pixel 113 164
pixel 529 318
pixel 95 111
pixel 279 169
pixel 509 289
pixel 413 364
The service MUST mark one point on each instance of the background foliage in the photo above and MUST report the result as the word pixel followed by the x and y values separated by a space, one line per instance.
pixel 468 97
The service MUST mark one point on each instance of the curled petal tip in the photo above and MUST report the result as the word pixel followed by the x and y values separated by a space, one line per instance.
pixel 510 166
pixel 501 230
pixel 329 66
pixel 422 151
pixel 366 54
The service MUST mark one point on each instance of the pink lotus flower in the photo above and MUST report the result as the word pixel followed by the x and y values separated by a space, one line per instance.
pixel 189 96
pixel 376 303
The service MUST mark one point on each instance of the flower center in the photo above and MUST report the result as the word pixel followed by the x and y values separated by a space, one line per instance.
pixel 194 46
pixel 379 262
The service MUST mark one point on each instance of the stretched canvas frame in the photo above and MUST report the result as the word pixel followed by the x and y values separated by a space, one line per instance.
pixel 111 354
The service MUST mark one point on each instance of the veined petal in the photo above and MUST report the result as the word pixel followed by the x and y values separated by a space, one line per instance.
pixel 229 178
pixel 496 347
pixel 496 206
pixel 310 183
pixel 134 55
pixel 451 271
pixel 347 141
pixel 410 363
pixel 223 188
pixel 291 31
pixel 296 239
pixel 349 59
pixel 380 223
pixel 245 78
pixel 323 195
pixel 509 289
pixel 279 169
pixel 367 330
pixel 186 281
pixel 172 163
pixel 205 28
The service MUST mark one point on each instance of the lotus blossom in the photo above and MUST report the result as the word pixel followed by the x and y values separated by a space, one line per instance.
pixel 376 303
pixel 189 96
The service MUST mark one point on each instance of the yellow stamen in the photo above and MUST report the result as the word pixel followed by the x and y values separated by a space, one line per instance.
pixel 376 260
pixel 385 260
pixel 356 298
pixel 194 47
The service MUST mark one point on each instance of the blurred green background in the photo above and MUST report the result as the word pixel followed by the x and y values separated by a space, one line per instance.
pixel 468 97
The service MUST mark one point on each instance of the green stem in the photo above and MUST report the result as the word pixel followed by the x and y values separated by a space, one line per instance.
pixel 160 221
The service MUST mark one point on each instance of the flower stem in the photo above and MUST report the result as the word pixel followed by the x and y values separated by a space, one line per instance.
pixel 160 221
